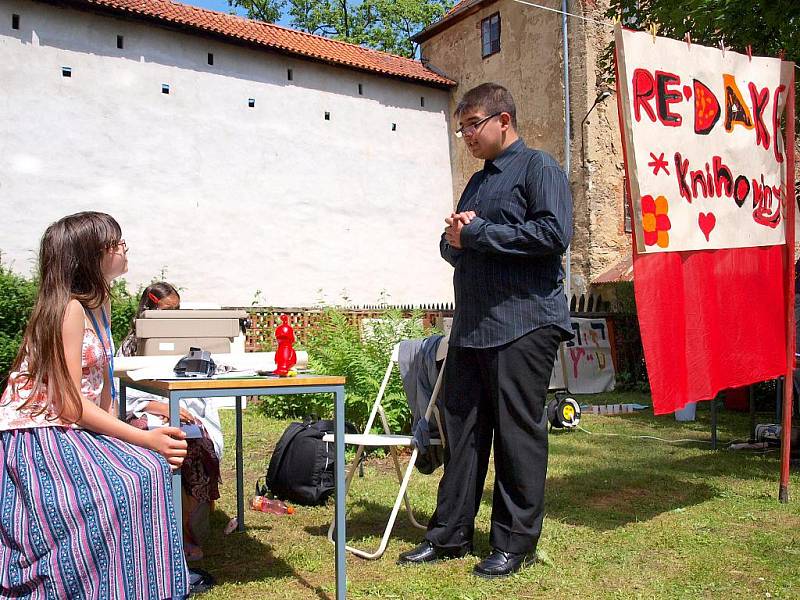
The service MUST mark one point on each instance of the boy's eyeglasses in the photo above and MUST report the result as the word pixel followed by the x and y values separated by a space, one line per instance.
pixel 473 127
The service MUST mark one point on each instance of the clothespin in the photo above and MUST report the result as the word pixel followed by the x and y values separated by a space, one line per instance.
pixel 689 40
pixel 616 20
pixel 722 46
pixel 653 31
pixel 749 52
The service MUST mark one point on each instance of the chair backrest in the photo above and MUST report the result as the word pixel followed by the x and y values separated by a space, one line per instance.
pixel 441 351
pixel 377 407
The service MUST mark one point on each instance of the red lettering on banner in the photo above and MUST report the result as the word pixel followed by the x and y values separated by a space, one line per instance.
pixel 760 101
pixel 644 88
pixel 763 211
pixel 698 177
pixel 710 184
pixel 736 111
pixel 717 180
pixel 654 93
pixel 706 108
pixel 681 169
pixel 722 177
pixel 740 190
pixel 666 96
pixel 575 355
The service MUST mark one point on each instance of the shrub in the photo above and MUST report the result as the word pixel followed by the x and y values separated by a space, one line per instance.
pixel 123 310
pixel 17 295
pixel 338 346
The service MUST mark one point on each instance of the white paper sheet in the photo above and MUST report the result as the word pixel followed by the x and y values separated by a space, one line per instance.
pixel 139 368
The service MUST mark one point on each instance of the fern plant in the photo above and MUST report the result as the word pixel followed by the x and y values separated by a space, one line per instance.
pixel 339 346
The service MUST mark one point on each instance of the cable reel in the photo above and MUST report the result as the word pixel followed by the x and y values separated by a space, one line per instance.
pixel 563 413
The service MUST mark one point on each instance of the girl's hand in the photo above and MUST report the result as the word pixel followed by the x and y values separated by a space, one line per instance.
pixel 162 410
pixel 169 442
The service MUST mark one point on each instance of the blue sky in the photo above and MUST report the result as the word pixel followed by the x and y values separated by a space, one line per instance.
pixel 222 6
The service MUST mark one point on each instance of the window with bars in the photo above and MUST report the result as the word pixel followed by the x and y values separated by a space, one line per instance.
pixel 490 35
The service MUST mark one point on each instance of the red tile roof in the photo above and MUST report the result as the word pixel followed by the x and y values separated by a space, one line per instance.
pixel 458 6
pixel 620 271
pixel 268 35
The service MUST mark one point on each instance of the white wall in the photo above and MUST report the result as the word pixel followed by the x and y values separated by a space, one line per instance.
pixel 227 199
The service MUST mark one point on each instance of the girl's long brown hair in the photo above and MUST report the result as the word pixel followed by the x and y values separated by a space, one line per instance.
pixel 70 266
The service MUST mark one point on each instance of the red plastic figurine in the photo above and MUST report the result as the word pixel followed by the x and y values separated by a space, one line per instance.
pixel 285 357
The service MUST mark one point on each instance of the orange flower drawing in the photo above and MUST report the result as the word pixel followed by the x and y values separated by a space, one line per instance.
pixel 655 221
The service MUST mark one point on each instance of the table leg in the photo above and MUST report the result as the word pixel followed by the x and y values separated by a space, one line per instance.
pixel 122 407
pixel 174 421
pixel 341 580
pixel 714 423
pixel 239 467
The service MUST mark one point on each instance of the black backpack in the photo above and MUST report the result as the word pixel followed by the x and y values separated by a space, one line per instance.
pixel 302 467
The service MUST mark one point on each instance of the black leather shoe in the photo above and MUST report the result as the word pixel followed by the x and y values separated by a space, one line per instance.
pixel 426 552
pixel 502 564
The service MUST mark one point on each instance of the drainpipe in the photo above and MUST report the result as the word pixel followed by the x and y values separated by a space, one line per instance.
pixel 568 270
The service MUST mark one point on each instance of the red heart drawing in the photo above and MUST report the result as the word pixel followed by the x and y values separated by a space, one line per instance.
pixel 707 221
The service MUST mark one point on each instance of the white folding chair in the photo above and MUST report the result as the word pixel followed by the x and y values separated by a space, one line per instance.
pixel 392 441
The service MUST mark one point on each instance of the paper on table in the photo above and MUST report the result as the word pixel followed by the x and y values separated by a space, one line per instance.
pixel 151 373
pixel 235 374
pixel 161 367
pixel 159 373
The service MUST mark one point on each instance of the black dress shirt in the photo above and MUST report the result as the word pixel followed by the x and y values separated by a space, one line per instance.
pixel 508 276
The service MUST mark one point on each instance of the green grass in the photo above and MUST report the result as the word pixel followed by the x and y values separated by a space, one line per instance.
pixel 626 518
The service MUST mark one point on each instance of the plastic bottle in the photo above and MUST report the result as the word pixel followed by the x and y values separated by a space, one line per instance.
pixel 271 505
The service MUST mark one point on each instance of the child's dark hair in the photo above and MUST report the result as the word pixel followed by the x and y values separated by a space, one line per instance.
pixel 152 295
pixel 490 97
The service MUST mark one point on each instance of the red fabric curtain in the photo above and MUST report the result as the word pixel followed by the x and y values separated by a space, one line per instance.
pixel 710 320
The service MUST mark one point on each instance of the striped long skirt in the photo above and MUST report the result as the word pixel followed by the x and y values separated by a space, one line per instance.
pixel 86 516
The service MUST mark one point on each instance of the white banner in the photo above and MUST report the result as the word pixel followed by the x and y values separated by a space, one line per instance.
pixel 703 144
pixel 583 365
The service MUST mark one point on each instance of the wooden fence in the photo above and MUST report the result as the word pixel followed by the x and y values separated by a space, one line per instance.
pixel 260 333
pixel 623 328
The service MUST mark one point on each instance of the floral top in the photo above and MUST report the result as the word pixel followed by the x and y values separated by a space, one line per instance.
pixel 94 363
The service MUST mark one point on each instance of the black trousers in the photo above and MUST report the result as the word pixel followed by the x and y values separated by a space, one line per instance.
pixel 495 393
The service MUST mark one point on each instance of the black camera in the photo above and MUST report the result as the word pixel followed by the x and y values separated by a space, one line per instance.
pixel 198 363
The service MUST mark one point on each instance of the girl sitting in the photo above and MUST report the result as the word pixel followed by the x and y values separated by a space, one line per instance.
pixel 200 471
pixel 85 499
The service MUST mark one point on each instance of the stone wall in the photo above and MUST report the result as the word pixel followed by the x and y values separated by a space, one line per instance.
pixel 598 172
pixel 530 65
